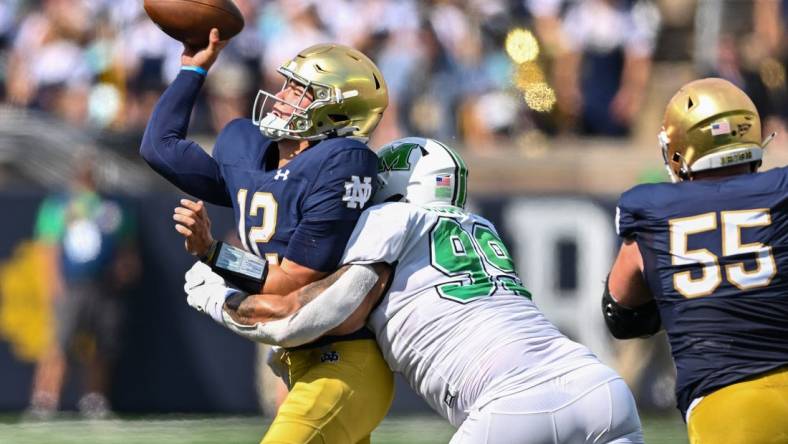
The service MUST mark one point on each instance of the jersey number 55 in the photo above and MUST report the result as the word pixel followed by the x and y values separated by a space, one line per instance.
pixel 732 223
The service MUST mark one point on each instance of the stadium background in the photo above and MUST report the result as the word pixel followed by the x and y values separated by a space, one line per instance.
pixel 554 104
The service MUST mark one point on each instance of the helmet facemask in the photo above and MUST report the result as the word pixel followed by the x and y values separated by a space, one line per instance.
pixel 299 125
pixel 664 145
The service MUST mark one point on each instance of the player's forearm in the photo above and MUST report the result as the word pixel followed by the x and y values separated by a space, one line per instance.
pixel 373 292
pixel 251 309
pixel 260 308
pixel 316 309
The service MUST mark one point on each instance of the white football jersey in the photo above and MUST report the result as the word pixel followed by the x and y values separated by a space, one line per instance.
pixel 456 320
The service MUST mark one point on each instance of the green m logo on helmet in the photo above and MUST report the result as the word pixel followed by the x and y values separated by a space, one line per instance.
pixel 396 158
pixel 435 175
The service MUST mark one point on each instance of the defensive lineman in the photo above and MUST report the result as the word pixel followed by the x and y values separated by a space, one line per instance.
pixel 456 320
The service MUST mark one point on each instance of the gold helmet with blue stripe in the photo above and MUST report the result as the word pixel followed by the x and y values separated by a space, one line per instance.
pixel 421 171
pixel 710 123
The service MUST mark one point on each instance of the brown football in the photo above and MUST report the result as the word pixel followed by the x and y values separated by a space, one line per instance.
pixel 190 21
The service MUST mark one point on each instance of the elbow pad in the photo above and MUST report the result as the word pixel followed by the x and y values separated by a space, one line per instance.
pixel 628 323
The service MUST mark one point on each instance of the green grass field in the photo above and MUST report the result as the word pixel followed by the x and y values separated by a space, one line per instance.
pixel 227 430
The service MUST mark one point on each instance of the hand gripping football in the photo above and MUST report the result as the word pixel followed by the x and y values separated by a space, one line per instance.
pixel 190 21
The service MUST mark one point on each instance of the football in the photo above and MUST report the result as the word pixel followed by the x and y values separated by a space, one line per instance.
pixel 190 21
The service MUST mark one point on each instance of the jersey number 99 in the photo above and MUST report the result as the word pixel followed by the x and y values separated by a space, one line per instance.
pixel 711 277
pixel 479 259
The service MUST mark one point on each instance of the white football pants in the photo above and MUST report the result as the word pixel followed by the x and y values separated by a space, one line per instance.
pixel 588 405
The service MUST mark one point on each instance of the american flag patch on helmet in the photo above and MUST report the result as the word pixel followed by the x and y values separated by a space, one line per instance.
pixel 720 127
pixel 443 180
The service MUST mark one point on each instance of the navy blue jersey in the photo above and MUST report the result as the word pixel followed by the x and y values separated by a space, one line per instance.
pixel 716 260
pixel 304 212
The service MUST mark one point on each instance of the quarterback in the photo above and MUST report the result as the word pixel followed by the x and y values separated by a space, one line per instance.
pixel 297 176
pixel 706 257
pixel 452 316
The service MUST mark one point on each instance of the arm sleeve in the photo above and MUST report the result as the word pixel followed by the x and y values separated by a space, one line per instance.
pixel 330 211
pixel 327 311
pixel 380 235
pixel 166 149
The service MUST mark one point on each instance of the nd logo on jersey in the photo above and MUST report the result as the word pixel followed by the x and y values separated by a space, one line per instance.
pixel 357 192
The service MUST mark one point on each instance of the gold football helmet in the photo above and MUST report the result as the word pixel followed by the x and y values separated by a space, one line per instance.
pixel 348 92
pixel 709 123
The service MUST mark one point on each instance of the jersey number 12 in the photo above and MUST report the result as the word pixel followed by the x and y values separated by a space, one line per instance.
pixel 262 202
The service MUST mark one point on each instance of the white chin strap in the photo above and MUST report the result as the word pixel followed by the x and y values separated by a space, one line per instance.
pixel 274 127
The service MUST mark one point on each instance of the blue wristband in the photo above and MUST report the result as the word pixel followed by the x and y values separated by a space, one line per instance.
pixel 196 69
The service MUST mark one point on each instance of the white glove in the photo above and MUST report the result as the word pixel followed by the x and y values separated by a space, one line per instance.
pixel 206 291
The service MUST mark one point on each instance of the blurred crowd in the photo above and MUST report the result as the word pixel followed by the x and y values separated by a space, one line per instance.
pixel 478 73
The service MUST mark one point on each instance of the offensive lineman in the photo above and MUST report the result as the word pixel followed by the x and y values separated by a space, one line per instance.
pixel 455 320
pixel 297 175
pixel 706 257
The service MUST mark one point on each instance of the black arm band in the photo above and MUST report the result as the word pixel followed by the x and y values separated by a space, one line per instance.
pixel 628 323
pixel 238 267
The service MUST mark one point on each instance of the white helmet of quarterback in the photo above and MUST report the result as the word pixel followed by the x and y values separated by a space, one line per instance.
pixel 421 171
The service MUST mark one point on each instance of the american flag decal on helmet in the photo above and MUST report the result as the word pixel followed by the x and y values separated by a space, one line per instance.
pixel 443 186
pixel 720 127
pixel 443 180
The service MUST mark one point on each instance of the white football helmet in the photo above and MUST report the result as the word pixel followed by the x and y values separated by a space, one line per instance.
pixel 421 171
